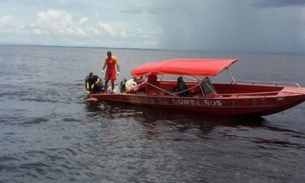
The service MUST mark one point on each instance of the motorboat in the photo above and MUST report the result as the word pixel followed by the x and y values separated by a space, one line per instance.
pixel 153 82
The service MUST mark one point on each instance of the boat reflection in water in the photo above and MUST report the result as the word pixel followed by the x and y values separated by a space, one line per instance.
pixel 149 116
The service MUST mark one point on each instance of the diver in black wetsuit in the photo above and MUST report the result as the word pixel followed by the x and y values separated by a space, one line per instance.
pixel 93 83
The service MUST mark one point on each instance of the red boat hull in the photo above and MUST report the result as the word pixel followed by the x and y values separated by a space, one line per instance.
pixel 227 106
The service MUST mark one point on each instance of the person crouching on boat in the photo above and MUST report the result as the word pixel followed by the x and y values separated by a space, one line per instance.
pixel 134 85
pixel 93 83
pixel 130 85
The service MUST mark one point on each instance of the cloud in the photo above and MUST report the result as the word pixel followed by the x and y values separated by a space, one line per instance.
pixel 57 27
pixel 6 19
pixel 107 28
pixel 209 25
pixel 277 3
pixel 57 22
pixel 135 10
pixel 93 31
pixel 228 26
pixel 83 20
pixel 54 16
pixel 8 25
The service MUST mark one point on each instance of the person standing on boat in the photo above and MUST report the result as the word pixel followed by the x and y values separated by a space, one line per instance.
pixel 110 62
pixel 93 83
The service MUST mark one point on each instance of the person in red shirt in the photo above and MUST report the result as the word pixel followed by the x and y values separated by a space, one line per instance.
pixel 110 62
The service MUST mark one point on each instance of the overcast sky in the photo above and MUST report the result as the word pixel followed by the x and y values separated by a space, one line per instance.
pixel 268 26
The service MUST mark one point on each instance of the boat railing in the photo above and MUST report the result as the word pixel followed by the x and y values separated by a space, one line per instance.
pixel 172 93
pixel 158 88
pixel 266 82
pixel 261 94
pixel 268 93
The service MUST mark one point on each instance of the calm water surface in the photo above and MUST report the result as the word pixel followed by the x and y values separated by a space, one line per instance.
pixel 48 135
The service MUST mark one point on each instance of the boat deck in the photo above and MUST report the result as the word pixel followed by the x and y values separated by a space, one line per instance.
pixel 231 89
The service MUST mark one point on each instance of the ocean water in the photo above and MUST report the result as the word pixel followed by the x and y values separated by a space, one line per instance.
pixel 47 134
